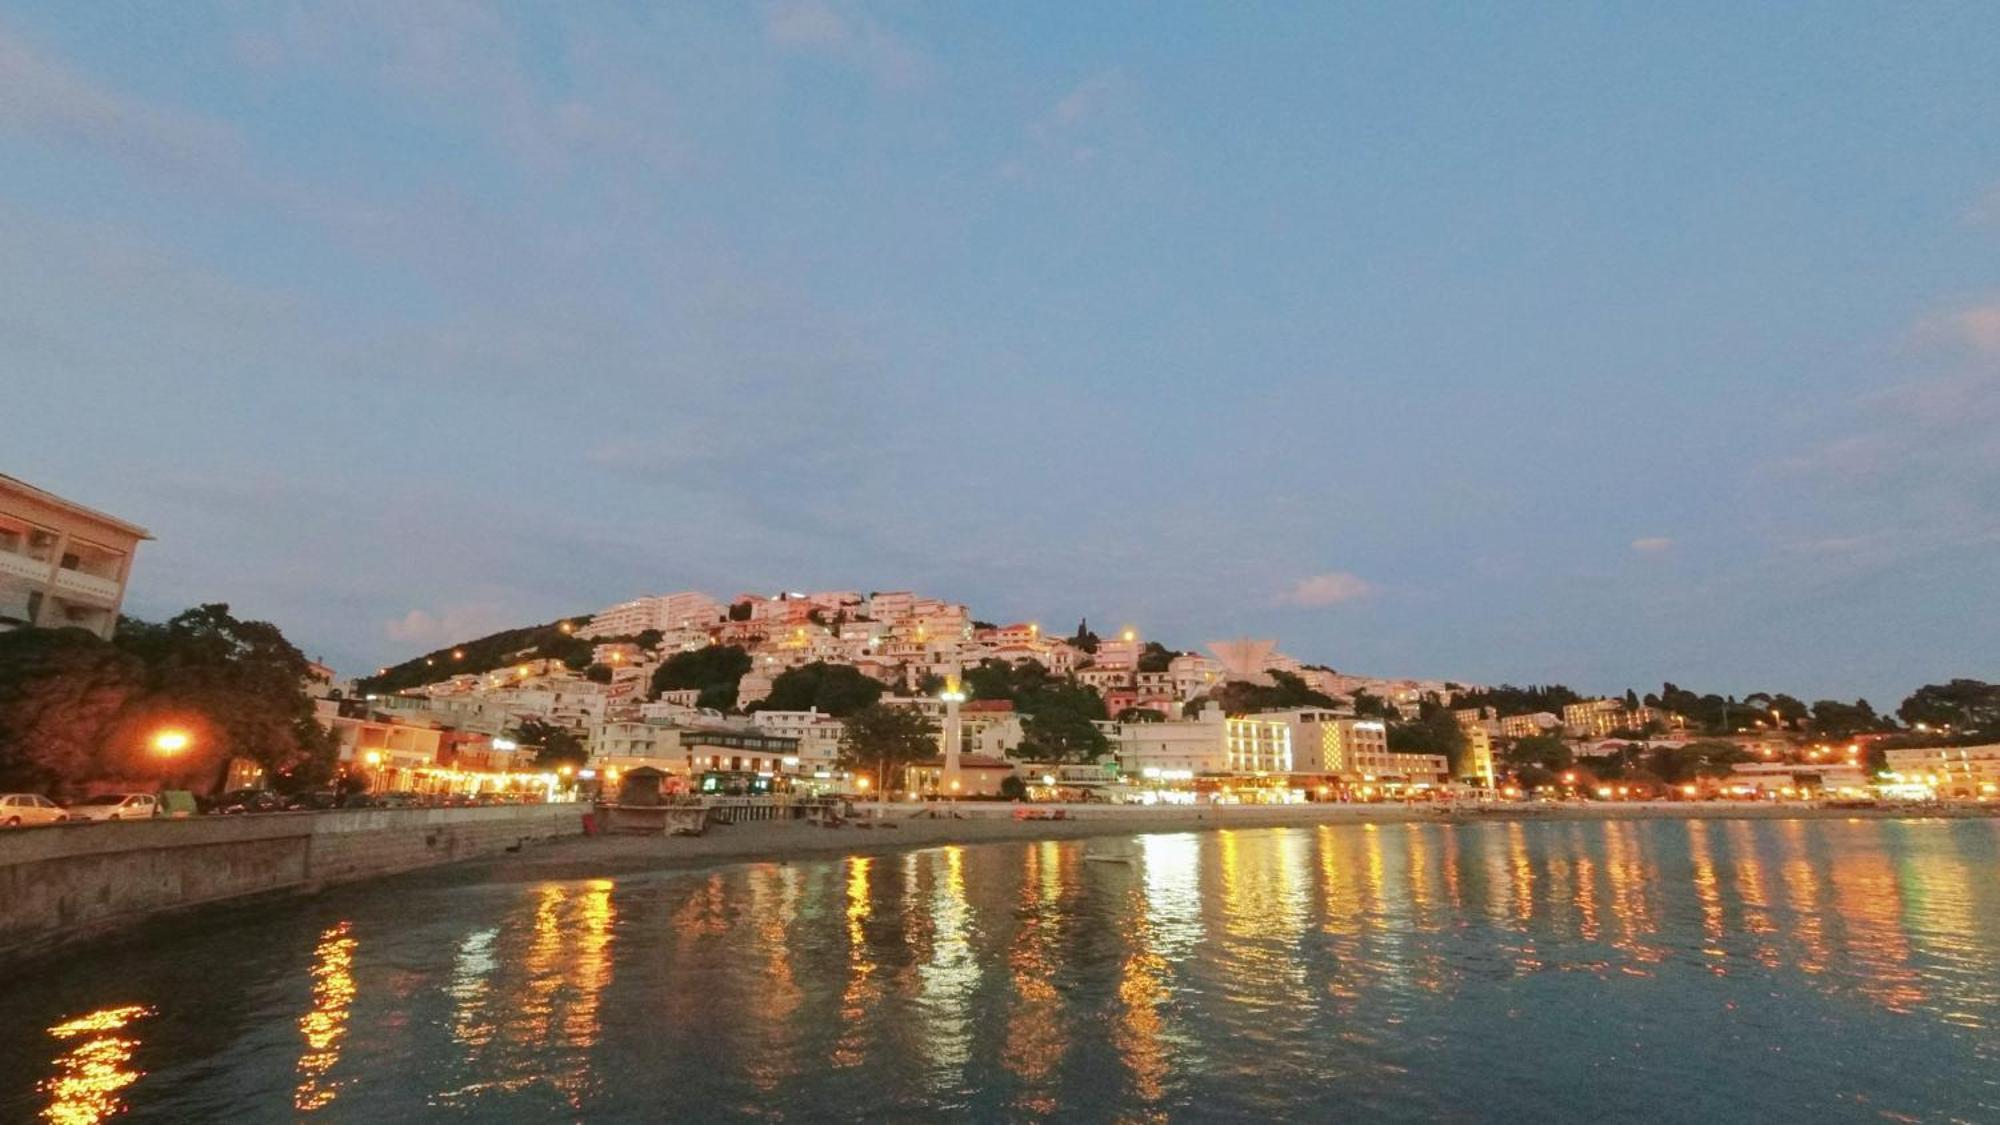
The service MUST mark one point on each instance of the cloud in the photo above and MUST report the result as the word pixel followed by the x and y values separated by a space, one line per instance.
pixel 44 98
pixel 1975 327
pixel 1329 589
pixel 453 623
pixel 815 27
pixel 1651 544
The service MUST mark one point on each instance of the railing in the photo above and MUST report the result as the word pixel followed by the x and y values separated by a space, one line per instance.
pixel 21 566
pixel 89 585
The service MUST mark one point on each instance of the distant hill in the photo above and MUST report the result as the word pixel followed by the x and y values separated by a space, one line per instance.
pixel 509 646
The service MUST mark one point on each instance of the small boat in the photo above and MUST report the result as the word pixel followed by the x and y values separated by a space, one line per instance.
pixel 1108 857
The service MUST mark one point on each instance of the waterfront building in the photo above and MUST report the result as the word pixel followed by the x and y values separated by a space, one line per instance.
pixel 62 565
pixel 1258 744
pixel 1176 749
pixel 1791 779
pixel 620 745
pixel 1954 772
pixel 1328 744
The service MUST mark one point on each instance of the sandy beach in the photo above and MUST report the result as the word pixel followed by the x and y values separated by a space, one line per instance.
pixel 905 827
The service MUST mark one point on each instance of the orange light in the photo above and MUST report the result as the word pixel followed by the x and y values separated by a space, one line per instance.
pixel 170 742
pixel 373 757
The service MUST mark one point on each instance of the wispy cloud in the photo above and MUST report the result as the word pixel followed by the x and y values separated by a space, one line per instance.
pixel 42 97
pixel 1652 544
pixel 816 27
pixel 423 629
pixel 1330 589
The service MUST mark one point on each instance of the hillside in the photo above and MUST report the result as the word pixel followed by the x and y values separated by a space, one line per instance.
pixel 530 642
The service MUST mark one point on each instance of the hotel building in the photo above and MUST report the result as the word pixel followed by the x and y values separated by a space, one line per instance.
pixel 62 565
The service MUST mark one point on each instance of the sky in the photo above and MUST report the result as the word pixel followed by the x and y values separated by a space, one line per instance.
pixel 1600 344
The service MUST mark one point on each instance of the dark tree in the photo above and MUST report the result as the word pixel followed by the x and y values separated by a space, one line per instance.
pixel 554 746
pixel 835 689
pixel 886 739
pixel 715 671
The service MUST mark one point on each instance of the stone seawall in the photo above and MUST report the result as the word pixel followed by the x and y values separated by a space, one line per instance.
pixel 72 882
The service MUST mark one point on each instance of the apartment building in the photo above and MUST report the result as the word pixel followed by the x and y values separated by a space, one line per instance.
pixel 688 609
pixel 1955 772
pixel 62 565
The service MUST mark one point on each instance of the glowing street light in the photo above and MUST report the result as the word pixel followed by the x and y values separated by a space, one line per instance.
pixel 168 743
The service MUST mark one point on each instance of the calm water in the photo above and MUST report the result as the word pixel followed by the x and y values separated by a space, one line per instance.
pixel 1776 971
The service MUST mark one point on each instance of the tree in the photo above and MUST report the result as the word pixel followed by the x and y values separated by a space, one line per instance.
pixel 598 673
pixel 1012 788
pixel 1371 706
pixel 64 694
pixel 1140 715
pixel 1061 734
pixel 649 639
pixel 1085 640
pixel 886 739
pixel 714 671
pixel 1155 658
pixel 1435 731
pixel 1508 700
pixel 1678 765
pixel 1833 719
pixel 242 680
pixel 554 746
pixel 1241 697
pixel 1964 705
pixel 835 689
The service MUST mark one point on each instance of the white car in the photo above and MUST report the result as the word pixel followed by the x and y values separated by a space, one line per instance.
pixel 17 809
pixel 116 806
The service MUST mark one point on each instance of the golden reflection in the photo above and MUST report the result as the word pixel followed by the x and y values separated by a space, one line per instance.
pixel 1035 1043
pixel 1631 901
pixel 1941 918
pixel 1583 893
pixel 1871 911
pixel 97 1065
pixel 862 989
pixel 530 1015
pixel 951 975
pixel 471 979
pixel 1426 912
pixel 1523 872
pixel 1802 896
pixel 774 896
pixel 325 1026
pixel 1142 992
pixel 1750 890
pixel 1341 907
pixel 1707 891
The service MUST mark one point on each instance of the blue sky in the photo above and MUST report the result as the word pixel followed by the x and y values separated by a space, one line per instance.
pixel 1605 346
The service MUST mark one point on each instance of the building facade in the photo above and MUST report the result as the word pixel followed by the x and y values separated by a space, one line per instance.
pixel 62 565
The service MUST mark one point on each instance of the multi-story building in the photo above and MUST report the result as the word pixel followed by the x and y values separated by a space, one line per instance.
pixel 1524 726
pixel 624 745
pixel 62 565
pixel 1100 678
pixel 1258 744
pixel 1955 772
pixel 1596 718
pixel 688 609
pixel 818 736
pixel 1176 748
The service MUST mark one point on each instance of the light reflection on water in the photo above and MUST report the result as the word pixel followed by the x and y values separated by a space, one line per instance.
pixel 1793 969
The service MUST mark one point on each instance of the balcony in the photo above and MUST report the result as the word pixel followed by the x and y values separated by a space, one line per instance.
pixel 75 583
pixel 22 566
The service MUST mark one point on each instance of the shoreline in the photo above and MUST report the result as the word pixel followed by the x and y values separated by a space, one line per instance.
pixel 595 857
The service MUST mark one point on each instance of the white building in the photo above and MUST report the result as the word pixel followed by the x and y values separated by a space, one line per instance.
pixel 1955 772
pixel 688 609
pixel 61 564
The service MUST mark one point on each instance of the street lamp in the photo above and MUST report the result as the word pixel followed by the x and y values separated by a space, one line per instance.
pixel 169 743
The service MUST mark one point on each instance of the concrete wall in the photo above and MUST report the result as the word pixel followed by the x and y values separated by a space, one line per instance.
pixel 67 883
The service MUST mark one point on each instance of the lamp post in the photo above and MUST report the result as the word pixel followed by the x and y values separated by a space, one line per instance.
pixel 169 743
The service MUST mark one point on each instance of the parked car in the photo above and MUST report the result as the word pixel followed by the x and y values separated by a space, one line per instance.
pixel 248 801
pixel 316 800
pixel 18 809
pixel 116 806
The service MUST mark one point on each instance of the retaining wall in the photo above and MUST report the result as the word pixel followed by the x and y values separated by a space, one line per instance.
pixel 66 883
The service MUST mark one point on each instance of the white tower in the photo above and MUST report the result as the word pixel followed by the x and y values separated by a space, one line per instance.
pixel 951 782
